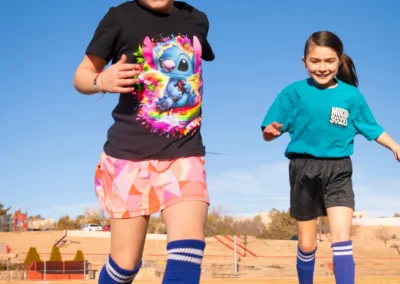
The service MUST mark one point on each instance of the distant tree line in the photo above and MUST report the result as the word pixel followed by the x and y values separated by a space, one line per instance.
pixel 280 226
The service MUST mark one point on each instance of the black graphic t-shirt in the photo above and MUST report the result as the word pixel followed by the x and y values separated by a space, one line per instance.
pixel 161 119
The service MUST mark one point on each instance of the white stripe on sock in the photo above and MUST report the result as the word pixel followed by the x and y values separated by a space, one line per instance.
pixel 306 259
pixel 198 252
pixel 184 258
pixel 116 273
pixel 343 252
pixel 111 275
pixel 305 256
pixel 342 248
pixel 118 277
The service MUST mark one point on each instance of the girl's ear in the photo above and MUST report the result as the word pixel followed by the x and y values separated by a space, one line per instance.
pixel 197 54
pixel 304 61
pixel 149 54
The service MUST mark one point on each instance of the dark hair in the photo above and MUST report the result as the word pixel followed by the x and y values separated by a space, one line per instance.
pixel 347 70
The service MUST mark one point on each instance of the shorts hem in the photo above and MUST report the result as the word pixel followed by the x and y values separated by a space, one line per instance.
pixel 151 211
pixel 323 214
pixel 350 204
pixel 306 218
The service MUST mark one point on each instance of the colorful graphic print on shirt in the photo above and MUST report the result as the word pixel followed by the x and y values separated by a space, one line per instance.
pixel 170 86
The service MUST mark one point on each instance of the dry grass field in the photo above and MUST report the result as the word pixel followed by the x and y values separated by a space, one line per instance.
pixel 375 262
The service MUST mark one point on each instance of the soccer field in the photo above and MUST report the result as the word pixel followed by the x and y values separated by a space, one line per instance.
pixel 325 280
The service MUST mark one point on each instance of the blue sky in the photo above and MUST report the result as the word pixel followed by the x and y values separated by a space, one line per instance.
pixel 52 136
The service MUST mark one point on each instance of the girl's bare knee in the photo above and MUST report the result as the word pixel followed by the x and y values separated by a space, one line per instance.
pixel 186 220
pixel 307 246
pixel 126 258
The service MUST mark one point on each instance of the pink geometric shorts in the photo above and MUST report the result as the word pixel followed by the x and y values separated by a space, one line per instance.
pixel 128 189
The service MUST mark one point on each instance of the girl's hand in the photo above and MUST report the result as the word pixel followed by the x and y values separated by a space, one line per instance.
pixel 119 77
pixel 272 131
pixel 396 152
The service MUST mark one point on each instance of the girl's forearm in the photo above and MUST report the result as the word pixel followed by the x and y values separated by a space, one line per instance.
pixel 83 81
pixel 385 140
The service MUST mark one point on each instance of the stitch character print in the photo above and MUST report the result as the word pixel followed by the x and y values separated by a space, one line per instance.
pixel 170 87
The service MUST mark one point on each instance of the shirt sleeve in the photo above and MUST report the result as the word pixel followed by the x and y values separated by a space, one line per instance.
pixel 207 53
pixel 103 43
pixel 280 111
pixel 364 121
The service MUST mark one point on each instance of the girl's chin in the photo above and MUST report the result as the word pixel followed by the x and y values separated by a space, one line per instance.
pixel 324 81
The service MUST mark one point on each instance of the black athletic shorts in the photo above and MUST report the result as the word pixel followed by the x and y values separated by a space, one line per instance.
pixel 317 184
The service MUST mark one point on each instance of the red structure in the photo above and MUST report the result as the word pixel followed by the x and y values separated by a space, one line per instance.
pixel 58 270
pixel 20 221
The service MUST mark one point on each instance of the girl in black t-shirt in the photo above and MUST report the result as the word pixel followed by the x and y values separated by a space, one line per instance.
pixel 153 159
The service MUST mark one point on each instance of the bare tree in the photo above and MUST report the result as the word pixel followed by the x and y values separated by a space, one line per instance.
pixel 383 234
pixel 156 226
pixel 5 219
pixel 65 223
pixel 96 216
pixel 397 247
pixel 79 221
pixel 281 227
pixel 355 228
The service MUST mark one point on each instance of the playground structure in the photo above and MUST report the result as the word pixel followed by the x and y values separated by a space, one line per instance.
pixel 20 221
pixel 58 270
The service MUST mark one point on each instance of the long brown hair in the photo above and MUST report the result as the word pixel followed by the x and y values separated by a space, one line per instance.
pixel 347 70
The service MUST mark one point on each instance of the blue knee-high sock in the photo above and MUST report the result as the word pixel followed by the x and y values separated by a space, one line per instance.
pixel 343 262
pixel 111 273
pixel 305 266
pixel 184 262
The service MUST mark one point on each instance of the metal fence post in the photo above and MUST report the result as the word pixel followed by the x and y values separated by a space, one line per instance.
pixel 8 273
pixel 234 255
pixel 84 270
pixel 44 270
